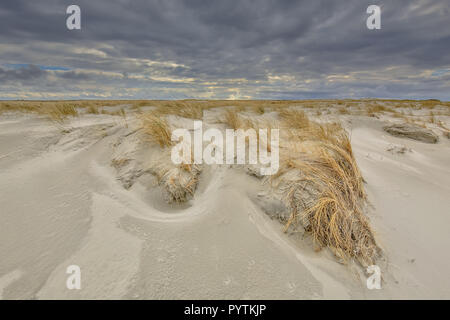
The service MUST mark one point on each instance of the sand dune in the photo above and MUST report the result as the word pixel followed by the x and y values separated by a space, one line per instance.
pixel 65 201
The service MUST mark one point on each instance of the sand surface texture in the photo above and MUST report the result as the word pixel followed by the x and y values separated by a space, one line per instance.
pixel 63 203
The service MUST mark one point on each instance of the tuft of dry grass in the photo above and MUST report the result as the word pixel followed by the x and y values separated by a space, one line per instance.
pixel 22 106
pixel 58 112
pixel 343 110
pixel 233 120
pixel 294 119
pixel 92 109
pixel 323 188
pixel 374 109
pixel 182 109
pixel 156 129
pixel 55 111
pixel 429 104
pixel 179 183
pixel 119 162
pixel 258 108
pixel 326 194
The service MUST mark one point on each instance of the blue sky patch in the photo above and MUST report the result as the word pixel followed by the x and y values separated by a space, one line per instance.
pixel 42 67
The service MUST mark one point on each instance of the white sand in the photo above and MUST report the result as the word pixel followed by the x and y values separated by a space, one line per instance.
pixel 62 204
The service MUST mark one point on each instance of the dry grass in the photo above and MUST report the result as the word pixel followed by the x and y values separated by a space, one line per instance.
pixel 233 120
pixel 182 109
pixel 343 110
pixel 194 108
pixel 22 106
pixel 156 129
pixel 236 121
pixel 179 183
pixel 259 108
pixel 294 119
pixel 119 162
pixel 430 104
pixel 58 112
pixel 326 195
pixel 121 112
pixel 374 109
pixel 257 124
pixel 92 109
pixel 323 188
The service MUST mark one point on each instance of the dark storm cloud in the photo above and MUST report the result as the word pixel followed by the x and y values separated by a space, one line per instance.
pixel 223 49
pixel 23 73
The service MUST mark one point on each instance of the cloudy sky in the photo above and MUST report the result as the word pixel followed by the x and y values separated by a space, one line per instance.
pixel 144 49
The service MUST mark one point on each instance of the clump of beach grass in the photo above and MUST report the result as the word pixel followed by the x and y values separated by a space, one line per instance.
pixel 92 109
pixel 232 119
pixel 258 108
pixel 374 109
pixel 22 106
pixel 294 119
pixel 182 109
pixel 156 129
pixel 323 188
pixel 119 162
pixel 178 182
pixel 58 112
pixel 55 111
